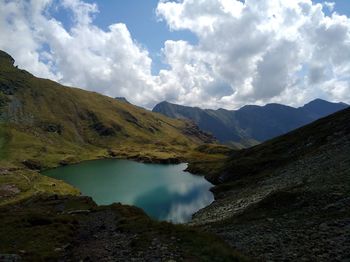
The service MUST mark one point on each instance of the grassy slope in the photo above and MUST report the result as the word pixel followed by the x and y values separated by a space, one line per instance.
pixel 49 122
pixel 44 124
pixel 3 142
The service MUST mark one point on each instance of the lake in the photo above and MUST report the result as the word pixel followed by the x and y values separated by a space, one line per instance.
pixel 164 192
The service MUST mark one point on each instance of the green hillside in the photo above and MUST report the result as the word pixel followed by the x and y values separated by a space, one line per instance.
pixel 44 124
pixel 50 123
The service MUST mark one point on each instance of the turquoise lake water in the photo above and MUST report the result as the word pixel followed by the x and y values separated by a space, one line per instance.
pixel 164 192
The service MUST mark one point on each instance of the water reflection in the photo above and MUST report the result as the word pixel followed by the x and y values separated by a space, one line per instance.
pixel 165 192
pixel 166 204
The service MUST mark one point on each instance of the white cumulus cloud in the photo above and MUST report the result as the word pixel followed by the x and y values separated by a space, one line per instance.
pixel 248 51
pixel 257 52
pixel 108 61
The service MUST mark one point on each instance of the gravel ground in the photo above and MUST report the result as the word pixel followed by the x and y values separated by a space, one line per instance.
pixel 299 212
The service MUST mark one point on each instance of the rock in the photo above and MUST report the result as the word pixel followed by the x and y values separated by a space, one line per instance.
pixel 82 211
pixel 4 171
pixel 10 258
pixel 9 190
pixel 32 164
pixel 65 246
pixel 51 127
pixel 112 153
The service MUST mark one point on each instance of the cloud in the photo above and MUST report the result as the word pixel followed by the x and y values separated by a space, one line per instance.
pixel 265 51
pixel 19 38
pixel 182 211
pixel 330 6
pixel 108 61
pixel 247 51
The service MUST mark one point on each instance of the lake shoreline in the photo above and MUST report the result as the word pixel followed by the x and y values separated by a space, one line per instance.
pixel 182 193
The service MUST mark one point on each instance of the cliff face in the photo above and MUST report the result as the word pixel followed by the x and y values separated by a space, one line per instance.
pixel 287 198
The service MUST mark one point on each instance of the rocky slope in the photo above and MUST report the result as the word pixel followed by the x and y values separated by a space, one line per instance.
pixel 251 124
pixel 288 198
pixel 66 228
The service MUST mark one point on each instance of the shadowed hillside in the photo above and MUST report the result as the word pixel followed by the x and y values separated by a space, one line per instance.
pixel 287 198
pixel 66 228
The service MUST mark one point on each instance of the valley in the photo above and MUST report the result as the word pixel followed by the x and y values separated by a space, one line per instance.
pixel 46 125
pixel 40 131
pixel 175 131
pixel 283 199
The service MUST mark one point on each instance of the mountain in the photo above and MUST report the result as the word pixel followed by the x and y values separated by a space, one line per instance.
pixel 44 124
pixel 323 108
pixel 251 124
pixel 122 99
pixel 51 123
pixel 286 199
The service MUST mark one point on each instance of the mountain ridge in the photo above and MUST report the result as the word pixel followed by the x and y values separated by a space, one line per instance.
pixel 251 122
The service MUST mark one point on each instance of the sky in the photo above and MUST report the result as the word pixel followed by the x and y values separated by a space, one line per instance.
pixel 206 53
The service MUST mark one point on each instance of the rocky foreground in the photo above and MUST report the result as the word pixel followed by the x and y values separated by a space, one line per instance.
pixel 67 228
pixel 295 209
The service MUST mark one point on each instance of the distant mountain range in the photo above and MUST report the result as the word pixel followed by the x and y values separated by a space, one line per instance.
pixel 251 124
